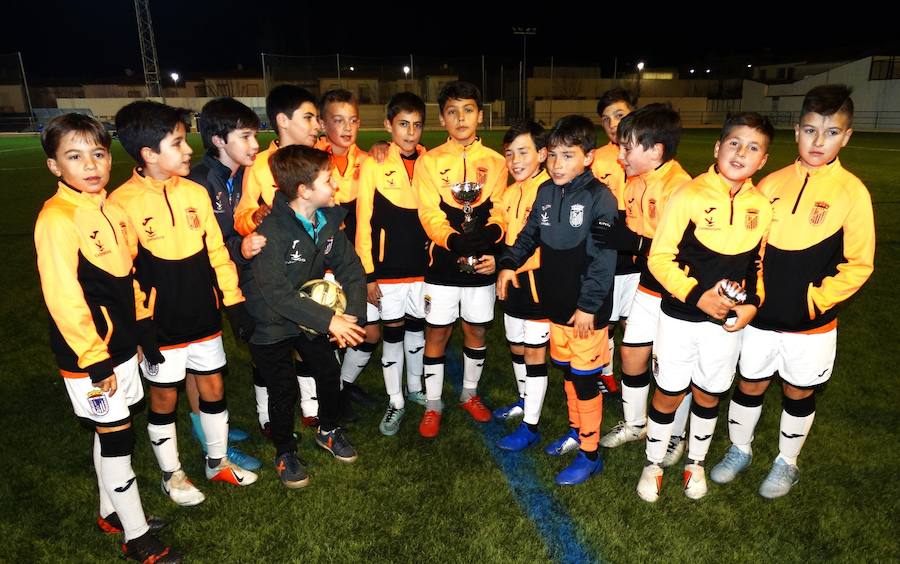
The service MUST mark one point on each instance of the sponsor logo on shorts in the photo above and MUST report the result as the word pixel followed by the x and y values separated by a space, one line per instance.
pixel 427 304
pixel 98 404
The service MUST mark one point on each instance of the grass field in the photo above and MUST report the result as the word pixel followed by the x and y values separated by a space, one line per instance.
pixel 456 499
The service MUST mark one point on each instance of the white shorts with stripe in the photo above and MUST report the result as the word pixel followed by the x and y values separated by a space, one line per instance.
pixel 398 299
pixel 624 289
pixel 803 360
pixel 445 304
pixel 643 319
pixel 532 333
pixel 701 353
pixel 200 357
pixel 90 403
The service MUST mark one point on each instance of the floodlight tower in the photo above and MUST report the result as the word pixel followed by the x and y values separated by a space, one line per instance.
pixel 148 48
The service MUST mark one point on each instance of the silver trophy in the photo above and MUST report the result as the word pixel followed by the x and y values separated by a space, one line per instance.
pixel 466 193
pixel 734 292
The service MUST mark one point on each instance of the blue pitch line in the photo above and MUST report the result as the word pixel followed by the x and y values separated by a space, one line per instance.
pixel 555 526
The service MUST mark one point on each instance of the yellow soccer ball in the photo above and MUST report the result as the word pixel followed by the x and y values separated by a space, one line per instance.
pixel 325 292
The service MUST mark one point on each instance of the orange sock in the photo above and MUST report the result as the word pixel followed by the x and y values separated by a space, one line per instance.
pixel 591 412
pixel 572 402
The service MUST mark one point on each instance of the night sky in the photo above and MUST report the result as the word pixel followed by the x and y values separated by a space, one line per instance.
pixel 97 40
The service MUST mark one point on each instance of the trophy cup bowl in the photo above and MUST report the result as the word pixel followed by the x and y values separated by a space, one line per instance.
pixel 465 193
pixel 735 293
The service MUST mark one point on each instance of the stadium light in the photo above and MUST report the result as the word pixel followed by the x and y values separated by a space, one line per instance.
pixel 707 71
pixel 640 66
pixel 406 71
pixel 749 66
pixel 352 69
pixel 175 76
pixel 692 71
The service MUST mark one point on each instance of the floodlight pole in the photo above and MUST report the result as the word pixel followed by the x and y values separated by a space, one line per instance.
pixel 524 32
pixel 27 94
pixel 148 49
pixel 265 77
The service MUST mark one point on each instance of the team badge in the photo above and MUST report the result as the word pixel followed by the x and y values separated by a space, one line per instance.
pixel 193 220
pixel 152 370
pixel 818 213
pixel 220 207
pixel 482 175
pixel 356 171
pixel 124 228
pixel 651 208
pixel 427 304
pixel 655 366
pixel 576 215
pixel 751 219
pixel 97 402
pixel 329 244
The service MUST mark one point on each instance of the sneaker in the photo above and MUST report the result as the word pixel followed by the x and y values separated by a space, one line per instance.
pixel 112 525
pixel 520 439
pixel 237 435
pixel 149 549
pixel 417 397
pixel 356 394
pixel 567 443
pixel 608 384
pixel 337 444
pixel 430 425
pixel 229 472
pixel 510 411
pixel 312 421
pixel 243 459
pixel 476 409
pixel 673 451
pixel 291 471
pixel 390 423
pixel 735 462
pixel 780 480
pixel 623 433
pixel 695 481
pixel 650 484
pixel 181 490
pixel 580 470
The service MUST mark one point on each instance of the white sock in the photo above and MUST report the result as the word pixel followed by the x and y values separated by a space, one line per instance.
pixel 164 442
pixel 658 435
pixel 634 402
pixel 355 360
pixel 742 420
pixel 681 416
pixel 106 505
pixel 702 430
pixel 215 427
pixel 121 486
pixel 792 436
pixel 434 386
pixel 473 366
pixel 535 390
pixel 519 373
pixel 392 369
pixel 309 404
pixel 262 404
pixel 414 347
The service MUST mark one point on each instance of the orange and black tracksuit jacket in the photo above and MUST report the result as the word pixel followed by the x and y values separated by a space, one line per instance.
pixel 706 235
pixel 821 246
pixel 645 198
pixel 84 260
pixel 577 270
pixel 181 261
pixel 346 175
pixel 390 240
pixel 258 188
pixel 441 216
pixel 608 170
pixel 515 206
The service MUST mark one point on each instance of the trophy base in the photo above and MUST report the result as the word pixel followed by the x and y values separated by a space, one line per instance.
pixel 466 264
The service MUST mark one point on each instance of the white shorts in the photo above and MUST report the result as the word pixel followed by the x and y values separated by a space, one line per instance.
pixel 90 403
pixel 202 357
pixel 700 353
pixel 802 360
pixel 643 320
pixel 398 299
pixel 529 332
pixel 624 288
pixel 445 304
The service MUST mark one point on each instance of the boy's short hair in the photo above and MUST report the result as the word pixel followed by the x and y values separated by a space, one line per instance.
pixel 60 126
pixel 614 95
pixel 752 120
pixel 526 127
pixel 146 123
pixel 285 99
pixel 652 124
pixel 221 116
pixel 458 90
pixel 404 102
pixel 295 165
pixel 338 95
pixel 829 99
pixel 573 130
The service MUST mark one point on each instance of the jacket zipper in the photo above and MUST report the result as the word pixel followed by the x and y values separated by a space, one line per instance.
pixel 115 237
pixel 800 195
pixel 171 213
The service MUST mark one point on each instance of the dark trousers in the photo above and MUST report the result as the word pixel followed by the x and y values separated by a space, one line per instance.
pixel 276 366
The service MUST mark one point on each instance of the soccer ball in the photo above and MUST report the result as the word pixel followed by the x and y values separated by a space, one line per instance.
pixel 325 292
